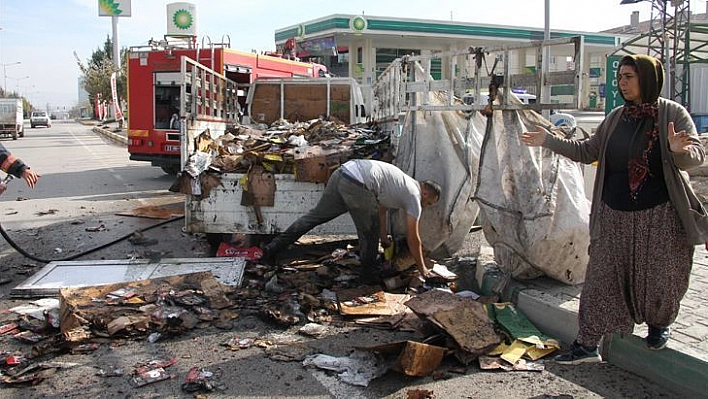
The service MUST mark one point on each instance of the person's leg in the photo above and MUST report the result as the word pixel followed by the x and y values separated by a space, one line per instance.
pixel 603 303
pixel 604 306
pixel 363 208
pixel 661 276
pixel 585 348
pixel 328 207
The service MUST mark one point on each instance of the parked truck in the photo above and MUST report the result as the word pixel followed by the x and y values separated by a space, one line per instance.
pixel 11 119
pixel 210 103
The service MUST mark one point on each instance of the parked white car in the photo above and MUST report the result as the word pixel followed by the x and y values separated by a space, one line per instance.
pixel 562 119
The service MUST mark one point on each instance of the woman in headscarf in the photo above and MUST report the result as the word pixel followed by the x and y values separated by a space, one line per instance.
pixel 645 218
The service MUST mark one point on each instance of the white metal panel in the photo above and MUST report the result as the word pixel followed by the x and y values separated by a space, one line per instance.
pixel 62 274
pixel 222 211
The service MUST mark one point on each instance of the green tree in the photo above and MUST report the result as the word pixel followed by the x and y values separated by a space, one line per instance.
pixel 26 107
pixel 96 73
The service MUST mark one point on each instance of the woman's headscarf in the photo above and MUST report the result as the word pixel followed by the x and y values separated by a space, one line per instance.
pixel 650 72
pixel 651 75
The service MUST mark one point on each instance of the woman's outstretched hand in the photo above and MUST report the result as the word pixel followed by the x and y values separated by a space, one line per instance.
pixel 534 138
pixel 678 141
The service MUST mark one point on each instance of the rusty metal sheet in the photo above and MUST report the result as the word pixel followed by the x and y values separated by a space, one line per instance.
pixel 430 302
pixel 463 319
pixel 472 331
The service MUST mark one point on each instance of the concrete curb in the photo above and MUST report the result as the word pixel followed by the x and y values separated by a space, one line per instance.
pixel 554 312
pixel 674 370
pixel 111 135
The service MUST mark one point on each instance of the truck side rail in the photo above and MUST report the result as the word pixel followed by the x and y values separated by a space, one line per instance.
pixel 209 100
pixel 284 85
pixel 469 71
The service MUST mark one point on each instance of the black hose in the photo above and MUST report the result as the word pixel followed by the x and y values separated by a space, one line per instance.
pixel 30 256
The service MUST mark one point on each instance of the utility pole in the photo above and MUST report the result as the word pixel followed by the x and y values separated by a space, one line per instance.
pixel 116 59
pixel 119 9
pixel 4 74
pixel 668 39
pixel 116 47
pixel 545 61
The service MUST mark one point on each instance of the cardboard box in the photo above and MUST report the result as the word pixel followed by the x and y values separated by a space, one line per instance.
pixel 419 360
pixel 414 359
pixel 316 165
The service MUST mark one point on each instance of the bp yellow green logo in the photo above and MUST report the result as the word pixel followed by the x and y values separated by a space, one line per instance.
pixel 109 7
pixel 182 19
pixel 358 24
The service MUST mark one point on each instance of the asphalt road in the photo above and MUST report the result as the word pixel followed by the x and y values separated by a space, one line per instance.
pixel 79 169
pixel 87 179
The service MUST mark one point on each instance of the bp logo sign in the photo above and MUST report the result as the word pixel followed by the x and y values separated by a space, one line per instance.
pixel 358 24
pixel 113 8
pixel 182 19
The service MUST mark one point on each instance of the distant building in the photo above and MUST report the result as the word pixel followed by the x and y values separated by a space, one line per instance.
pixel 362 47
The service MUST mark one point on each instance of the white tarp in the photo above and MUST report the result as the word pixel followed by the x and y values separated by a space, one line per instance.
pixel 532 202
pixel 438 146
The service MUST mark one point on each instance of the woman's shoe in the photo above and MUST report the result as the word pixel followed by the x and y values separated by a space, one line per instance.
pixel 658 337
pixel 579 354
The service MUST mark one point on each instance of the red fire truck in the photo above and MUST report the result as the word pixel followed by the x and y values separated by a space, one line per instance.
pixel 154 89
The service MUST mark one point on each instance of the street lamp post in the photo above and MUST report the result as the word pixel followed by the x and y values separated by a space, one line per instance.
pixel 4 73
pixel 17 82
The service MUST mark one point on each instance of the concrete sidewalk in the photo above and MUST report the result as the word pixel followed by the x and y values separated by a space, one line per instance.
pixel 682 367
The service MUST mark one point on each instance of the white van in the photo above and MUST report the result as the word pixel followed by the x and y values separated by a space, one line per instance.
pixel 562 119
pixel 526 98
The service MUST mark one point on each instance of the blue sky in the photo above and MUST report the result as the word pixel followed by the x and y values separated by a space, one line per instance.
pixel 43 35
